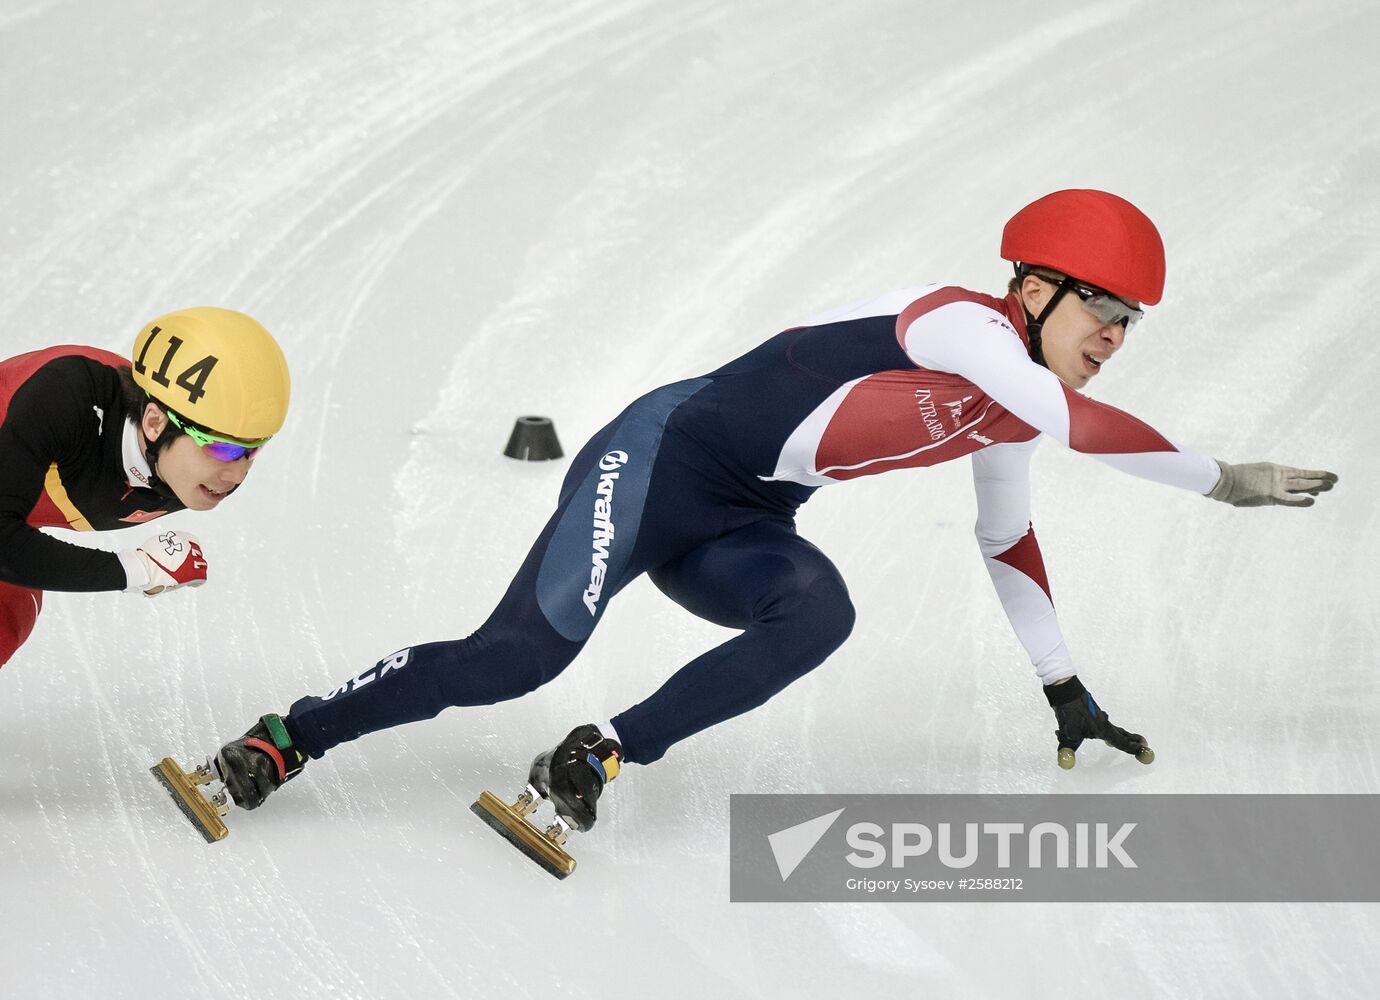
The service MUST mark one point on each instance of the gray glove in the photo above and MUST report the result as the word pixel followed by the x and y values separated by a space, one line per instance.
pixel 1262 484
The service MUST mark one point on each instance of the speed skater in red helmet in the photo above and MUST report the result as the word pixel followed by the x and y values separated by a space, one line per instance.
pixel 92 441
pixel 1100 248
pixel 697 484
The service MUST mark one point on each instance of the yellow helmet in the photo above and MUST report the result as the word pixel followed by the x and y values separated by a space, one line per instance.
pixel 217 368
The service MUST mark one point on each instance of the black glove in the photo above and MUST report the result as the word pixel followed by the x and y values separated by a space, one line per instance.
pixel 1080 717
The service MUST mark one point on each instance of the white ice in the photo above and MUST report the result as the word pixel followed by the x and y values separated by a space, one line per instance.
pixel 453 214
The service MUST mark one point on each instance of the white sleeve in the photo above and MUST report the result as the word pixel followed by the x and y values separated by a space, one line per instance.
pixel 975 341
pixel 136 573
pixel 1001 479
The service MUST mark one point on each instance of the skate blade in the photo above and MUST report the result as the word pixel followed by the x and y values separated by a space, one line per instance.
pixel 523 835
pixel 199 810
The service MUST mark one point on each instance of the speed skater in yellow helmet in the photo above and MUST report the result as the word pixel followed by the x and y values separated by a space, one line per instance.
pixel 91 440
pixel 218 369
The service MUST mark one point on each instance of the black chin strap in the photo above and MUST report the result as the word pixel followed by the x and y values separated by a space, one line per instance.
pixel 1034 325
pixel 160 487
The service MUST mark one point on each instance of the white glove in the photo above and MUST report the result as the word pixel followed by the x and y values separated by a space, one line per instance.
pixel 167 561
pixel 1262 484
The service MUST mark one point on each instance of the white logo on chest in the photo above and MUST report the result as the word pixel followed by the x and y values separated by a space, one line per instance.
pixel 956 409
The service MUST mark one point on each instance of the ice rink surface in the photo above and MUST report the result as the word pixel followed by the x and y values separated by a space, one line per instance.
pixel 452 214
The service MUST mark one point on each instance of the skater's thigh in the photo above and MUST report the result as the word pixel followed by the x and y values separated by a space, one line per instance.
pixel 595 543
pixel 19 610
pixel 734 579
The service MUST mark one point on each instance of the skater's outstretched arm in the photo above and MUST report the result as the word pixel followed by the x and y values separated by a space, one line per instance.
pixel 1001 479
pixel 1006 537
pixel 980 344
pixel 975 341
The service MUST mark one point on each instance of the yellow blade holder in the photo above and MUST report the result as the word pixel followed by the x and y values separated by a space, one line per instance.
pixel 511 822
pixel 184 787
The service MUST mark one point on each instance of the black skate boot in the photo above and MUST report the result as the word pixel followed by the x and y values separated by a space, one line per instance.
pixel 574 774
pixel 259 762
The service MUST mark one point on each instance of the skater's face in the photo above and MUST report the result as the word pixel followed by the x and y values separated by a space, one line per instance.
pixel 1076 343
pixel 199 480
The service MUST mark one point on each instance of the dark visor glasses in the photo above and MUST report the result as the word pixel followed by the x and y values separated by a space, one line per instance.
pixel 1098 301
pixel 220 448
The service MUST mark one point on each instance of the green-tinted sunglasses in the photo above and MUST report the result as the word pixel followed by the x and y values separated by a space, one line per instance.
pixel 220 448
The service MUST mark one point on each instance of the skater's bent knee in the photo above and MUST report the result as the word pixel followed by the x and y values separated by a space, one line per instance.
pixel 819 614
pixel 832 614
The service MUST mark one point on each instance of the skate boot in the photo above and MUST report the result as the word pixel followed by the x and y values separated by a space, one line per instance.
pixel 574 774
pixel 248 770
pixel 257 763
pixel 573 777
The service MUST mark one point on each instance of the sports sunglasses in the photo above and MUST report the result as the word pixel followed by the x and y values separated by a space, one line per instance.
pixel 220 448
pixel 1098 301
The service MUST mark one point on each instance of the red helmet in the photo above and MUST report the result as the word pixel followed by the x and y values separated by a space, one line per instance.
pixel 1092 236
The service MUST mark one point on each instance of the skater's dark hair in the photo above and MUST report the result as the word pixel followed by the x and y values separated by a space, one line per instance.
pixel 136 401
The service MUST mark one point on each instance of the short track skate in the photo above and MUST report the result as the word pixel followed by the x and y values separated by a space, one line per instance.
pixel 202 806
pixel 516 823
pixel 571 777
